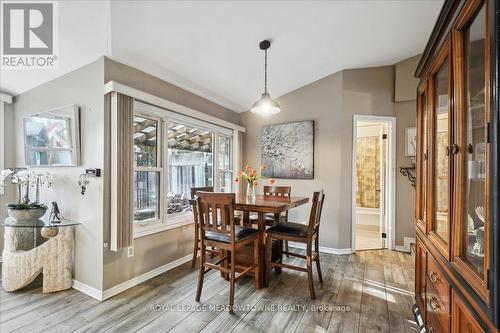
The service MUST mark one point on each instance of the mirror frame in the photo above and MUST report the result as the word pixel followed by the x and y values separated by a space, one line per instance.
pixel 74 112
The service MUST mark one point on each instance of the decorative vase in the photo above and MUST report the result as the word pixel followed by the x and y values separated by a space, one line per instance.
pixel 27 214
pixel 250 193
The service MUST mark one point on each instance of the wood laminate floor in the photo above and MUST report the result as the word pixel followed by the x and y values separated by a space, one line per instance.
pixel 370 291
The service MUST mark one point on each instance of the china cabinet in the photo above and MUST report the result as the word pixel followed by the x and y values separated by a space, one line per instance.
pixel 457 282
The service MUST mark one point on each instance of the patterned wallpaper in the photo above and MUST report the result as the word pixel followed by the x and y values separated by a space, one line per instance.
pixel 368 172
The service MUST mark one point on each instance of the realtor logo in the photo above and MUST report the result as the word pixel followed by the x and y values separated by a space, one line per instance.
pixel 29 34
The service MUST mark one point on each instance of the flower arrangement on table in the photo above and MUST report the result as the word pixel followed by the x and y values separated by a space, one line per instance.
pixel 251 176
pixel 26 180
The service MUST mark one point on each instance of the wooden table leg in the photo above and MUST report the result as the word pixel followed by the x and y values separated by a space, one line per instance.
pixel 261 223
pixel 246 219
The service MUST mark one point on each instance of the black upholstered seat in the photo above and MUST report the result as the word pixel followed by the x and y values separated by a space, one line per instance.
pixel 289 229
pixel 240 234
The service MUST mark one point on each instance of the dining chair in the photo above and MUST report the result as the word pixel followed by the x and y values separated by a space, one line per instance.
pixel 271 219
pixel 196 219
pixel 194 208
pixel 301 233
pixel 218 229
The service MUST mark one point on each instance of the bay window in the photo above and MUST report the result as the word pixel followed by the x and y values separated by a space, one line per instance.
pixel 174 153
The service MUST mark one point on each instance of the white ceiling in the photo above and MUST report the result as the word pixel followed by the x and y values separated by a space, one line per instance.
pixel 211 48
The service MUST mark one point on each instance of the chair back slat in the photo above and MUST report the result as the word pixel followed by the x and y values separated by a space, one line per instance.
pixel 316 210
pixel 216 213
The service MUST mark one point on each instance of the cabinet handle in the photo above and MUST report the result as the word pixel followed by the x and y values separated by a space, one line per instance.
pixel 434 305
pixel 454 149
pixel 434 277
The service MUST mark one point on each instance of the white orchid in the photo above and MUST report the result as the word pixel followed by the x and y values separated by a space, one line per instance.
pixel 46 179
pixel 24 179
pixel 27 177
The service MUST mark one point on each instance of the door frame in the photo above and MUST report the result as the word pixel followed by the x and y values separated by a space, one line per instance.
pixel 390 186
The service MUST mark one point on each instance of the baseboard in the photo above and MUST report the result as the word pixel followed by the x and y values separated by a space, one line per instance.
pixel 407 245
pixel 324 249
pixel 88 290
pixel 103 295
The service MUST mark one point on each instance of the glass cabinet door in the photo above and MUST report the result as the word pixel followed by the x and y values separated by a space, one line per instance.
pixel 475 166
pixel 441 121
pixel 472 159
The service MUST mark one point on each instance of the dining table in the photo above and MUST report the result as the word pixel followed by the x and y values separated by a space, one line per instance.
pixel 262 205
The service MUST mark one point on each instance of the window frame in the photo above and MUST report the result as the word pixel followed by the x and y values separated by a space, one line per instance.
pixel 218 170
pixel 153 223
pixel 152 226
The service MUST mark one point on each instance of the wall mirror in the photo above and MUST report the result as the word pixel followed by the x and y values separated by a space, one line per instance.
pixel 52 138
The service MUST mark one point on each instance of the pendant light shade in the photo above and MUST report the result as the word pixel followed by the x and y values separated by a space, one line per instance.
pixel 265 106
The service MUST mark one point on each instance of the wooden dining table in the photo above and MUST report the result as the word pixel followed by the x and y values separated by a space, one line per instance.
pixel 263 205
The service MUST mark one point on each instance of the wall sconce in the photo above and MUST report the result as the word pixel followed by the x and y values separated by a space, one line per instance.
pixel 84 178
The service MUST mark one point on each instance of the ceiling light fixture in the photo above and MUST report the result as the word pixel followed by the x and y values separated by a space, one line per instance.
pixel 265 106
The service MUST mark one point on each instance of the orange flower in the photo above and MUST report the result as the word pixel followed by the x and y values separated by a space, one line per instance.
pixel 236 180
pixel 255 183
pixel 248 168
pixel 272 181
pixel 242 173
pixel 253 173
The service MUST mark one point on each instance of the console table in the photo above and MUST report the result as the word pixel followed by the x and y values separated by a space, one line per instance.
pixel 34 247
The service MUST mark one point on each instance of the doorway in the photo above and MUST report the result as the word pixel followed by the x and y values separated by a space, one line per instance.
pixel 373 185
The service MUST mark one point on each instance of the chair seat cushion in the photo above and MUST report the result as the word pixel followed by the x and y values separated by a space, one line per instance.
pixel 240 235
pixel 289 229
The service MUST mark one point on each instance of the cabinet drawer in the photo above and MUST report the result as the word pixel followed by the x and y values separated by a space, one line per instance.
pixel 438 317
pixel 436 278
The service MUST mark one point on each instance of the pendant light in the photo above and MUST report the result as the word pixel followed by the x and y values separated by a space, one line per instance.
pixel 265 106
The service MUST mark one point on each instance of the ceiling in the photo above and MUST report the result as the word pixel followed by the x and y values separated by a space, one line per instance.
pixel 211 48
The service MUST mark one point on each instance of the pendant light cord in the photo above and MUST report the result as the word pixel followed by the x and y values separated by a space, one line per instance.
pixel 265 71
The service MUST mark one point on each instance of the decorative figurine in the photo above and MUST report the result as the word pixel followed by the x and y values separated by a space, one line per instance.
pixel 55 214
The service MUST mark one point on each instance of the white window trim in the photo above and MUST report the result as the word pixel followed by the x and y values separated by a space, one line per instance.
pixel 152 226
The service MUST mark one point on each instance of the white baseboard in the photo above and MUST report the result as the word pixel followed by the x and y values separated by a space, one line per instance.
pixel 103 295
pixel 407 244
pixel 324 249
pixel 88 290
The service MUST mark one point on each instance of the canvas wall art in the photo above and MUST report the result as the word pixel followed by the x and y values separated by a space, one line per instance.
pixel 287 150
pixel 410 141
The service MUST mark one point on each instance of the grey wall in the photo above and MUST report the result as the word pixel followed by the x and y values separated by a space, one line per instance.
pixel 83 87
pixel 320 101
pixel 9 158
pixel 332 102
pixel 164 247
pixel 406 112
pixel 132 77
pixel 406 82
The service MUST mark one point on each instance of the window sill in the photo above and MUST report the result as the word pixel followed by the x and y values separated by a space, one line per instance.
pixel 142 231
